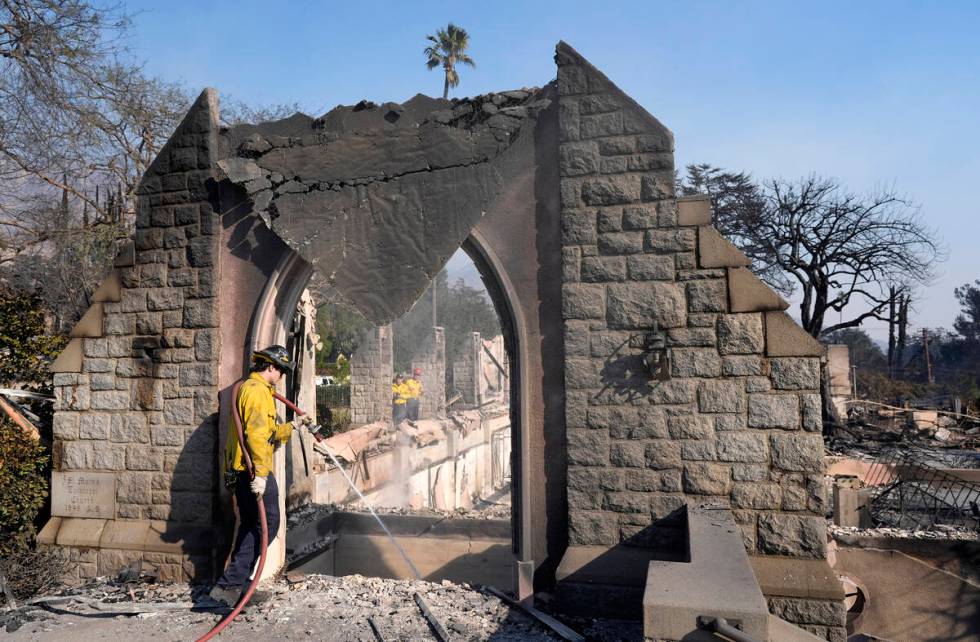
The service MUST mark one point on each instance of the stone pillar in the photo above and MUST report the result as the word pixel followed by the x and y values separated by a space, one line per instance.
pixel 371 372
pixel 431 358
pixel 139 396
pixel 737 422
pixel 467 368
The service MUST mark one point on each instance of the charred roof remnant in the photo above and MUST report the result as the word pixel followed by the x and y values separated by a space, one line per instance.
pixel 378 197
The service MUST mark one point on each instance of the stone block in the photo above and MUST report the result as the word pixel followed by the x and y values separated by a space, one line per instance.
pixel 627 454
pixel 676 391
pixel 76 455
pixel 715 251
pixel 663 454
pixel 784 338
pixel 606 343
pixel 568 125
pixel 657 187
pixel 93 425
pixel 616 146
pixel 593 528
pixel 795 373
pixel 599 125
pixel 646 481
pixel 801 452
pixel 746 293
pixel 692 337
pixel 650 267
pixel 200 313
pixel 690 427
pixel 793 535
pixel 628 502
pixel 581 374
pixel 639 305
pixel 610 219
pixel 90 325
pixel 588 448
pixel 721 395
pixel 133 488
pixel 702 450
pixel 110 400
pixel 742 447
pixel 812 413
pixel 707 295
pixel 577 339
pixel 707 479
pixel 65 425
pixel 581 301
pixel 740 334
pixel 676 240
pixel 745 366
pixel 639 217
pixel 577 159
pixel 730 422
pixel 571 264
pixel 130 427
pixel 695 362
pixel 774 411
pixel 198 374
pixel 592 479
pixel 600 269
pixel 694 210
pixel 80 532
pixel 611 190
pixel 757 496
pixel 830 612
pixel 757 384
pixel 158 299
pixel 620 243
pixel 143 458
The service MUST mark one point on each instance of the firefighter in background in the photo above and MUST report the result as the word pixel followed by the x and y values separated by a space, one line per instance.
pixel 414 385
pixel 399 400
pixel 263 434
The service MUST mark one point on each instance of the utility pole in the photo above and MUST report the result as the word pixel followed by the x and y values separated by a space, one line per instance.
pixel 925 348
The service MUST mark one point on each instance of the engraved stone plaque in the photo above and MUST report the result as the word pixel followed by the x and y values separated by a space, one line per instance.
pixel 83 494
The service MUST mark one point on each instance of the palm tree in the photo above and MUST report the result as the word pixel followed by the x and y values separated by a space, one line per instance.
pixel 447 49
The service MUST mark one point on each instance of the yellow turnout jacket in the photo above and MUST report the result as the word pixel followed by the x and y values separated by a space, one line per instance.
pixel 258 412
pixel 413 388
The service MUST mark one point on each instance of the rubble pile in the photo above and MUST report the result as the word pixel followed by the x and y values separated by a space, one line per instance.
pixel 871 426
pixel 314 607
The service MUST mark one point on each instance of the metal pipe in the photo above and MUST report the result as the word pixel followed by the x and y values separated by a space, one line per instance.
pixel 720 626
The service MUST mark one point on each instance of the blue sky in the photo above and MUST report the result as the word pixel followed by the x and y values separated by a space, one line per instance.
pixel 873 93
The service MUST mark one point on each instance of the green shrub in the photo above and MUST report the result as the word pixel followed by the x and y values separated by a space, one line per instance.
pixel 23 487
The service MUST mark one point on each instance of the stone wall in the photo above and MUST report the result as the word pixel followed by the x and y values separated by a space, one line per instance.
pixel 136 393
pixel 371 372
pixel 737 420
pixel 431 358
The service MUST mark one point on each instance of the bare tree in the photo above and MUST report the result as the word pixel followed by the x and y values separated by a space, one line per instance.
pixel 842 248
pixel 78 127
pixel 838 248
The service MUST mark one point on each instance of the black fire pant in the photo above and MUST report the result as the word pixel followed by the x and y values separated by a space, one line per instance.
pixel 248 544
pixel 412 409
pixel 399 412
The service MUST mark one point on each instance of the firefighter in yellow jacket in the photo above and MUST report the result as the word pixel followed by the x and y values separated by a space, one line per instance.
pixel 257 409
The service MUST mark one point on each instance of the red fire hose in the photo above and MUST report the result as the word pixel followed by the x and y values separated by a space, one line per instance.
pixel 265 526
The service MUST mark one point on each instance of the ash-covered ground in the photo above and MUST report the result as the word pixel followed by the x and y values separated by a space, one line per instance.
pixel 315 607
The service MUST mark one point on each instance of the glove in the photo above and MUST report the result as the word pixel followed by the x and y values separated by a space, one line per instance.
pixel 258 486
